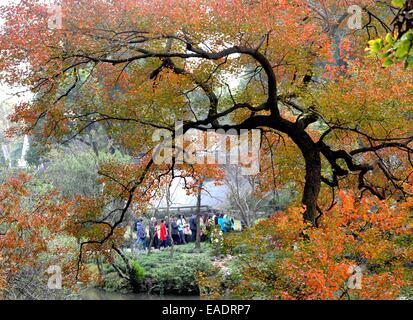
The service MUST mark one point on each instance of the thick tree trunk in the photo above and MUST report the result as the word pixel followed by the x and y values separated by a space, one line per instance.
pixel 312 185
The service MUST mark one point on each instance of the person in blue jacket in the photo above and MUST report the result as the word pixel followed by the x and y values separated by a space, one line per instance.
pixel 221 222
pixel 141 235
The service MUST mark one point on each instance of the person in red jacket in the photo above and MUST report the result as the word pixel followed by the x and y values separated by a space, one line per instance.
pixel 162 234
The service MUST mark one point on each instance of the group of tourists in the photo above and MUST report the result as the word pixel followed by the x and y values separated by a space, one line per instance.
pixel 160 234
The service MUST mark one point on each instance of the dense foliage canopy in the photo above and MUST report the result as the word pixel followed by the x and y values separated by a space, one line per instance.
pixel 331 119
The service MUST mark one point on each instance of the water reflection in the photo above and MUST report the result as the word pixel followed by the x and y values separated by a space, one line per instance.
pixel 99 294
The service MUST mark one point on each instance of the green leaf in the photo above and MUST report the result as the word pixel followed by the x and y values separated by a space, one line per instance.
pixel 375 42
pixel 409 61
pixel 389 38
pixel 388 62
pixel 385 55
pixel 402 49
pixel 398 3
pixel 408 36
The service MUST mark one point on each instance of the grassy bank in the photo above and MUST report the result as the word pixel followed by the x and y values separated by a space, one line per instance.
pixel 161 273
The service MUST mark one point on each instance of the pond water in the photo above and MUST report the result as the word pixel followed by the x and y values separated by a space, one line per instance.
pixel 100 294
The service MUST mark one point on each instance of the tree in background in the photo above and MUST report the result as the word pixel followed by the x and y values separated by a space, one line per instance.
pixel 31 220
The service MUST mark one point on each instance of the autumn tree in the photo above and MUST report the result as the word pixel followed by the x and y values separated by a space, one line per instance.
pixel 30 223
pixel 362 249
pixel 242 196
pixel 332 118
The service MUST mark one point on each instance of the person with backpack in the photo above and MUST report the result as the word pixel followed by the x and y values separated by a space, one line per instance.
pixel 141 235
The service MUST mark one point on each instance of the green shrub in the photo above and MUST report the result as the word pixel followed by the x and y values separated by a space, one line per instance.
pixel 159 273
pixel 175 275
pixel 179 276
pixel 139 270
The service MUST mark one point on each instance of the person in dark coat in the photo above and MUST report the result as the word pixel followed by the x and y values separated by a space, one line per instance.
pixel 216 217
pixel 153 235
pixel 193 227
pixel 175 232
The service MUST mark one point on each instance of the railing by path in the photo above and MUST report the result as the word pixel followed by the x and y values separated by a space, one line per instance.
pixel 186 211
